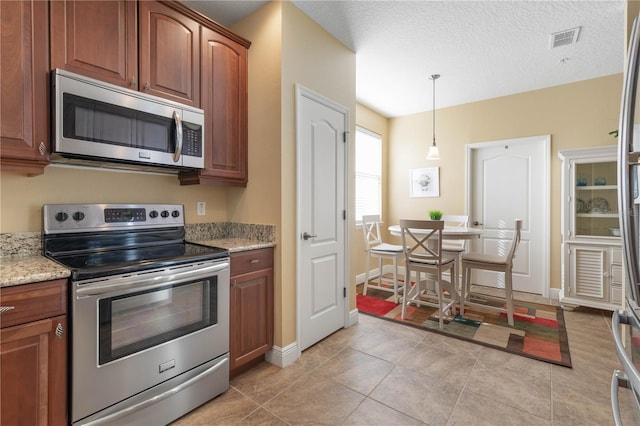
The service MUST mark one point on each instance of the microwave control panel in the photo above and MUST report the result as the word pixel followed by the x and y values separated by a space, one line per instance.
pixel 191 139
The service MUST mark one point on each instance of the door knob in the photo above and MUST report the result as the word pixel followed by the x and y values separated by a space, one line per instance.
pixel 306 236
pixel 476 223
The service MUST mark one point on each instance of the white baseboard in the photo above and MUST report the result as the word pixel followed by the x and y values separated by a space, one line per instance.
pixel 554 293
pixel 386 269
pixel 353 318
pixel 283 357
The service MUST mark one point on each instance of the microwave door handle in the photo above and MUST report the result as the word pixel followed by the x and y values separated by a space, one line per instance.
pixel 178 151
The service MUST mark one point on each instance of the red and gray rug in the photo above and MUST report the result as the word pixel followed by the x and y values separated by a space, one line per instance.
pixel 539 331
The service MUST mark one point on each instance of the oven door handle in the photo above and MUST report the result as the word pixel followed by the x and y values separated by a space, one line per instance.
pixel 145 283
pixel 153 400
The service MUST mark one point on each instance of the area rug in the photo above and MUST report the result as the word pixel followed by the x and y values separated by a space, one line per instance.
pixel 539 331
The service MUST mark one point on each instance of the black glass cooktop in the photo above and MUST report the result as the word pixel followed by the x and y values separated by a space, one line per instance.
pixel 100 263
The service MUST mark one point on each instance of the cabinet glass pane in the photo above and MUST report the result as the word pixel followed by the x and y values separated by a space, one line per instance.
pixel 596 200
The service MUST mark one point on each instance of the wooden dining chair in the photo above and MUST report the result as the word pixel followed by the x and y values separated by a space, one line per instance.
pixel 422 247
pixel 501 262
pixel 455 248
pixel 375 247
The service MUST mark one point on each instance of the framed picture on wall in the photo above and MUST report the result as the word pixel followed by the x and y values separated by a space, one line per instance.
pixel 425 182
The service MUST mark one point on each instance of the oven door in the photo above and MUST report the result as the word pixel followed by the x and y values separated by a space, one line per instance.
pixel 137 331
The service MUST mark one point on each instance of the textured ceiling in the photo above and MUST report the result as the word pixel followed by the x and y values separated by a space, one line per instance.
pixel 481 49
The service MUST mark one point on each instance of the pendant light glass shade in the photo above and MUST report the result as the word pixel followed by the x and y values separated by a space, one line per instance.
pixel 433 153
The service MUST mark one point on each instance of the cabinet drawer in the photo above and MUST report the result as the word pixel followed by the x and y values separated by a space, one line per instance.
pixel 252 260
pixel 33 302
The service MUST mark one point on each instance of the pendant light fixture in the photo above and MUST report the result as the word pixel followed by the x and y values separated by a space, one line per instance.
pixel 433 153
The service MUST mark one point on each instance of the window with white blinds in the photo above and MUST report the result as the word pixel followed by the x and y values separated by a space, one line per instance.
pixel 368 173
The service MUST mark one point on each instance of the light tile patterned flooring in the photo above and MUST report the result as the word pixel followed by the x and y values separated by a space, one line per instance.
pixel 380 373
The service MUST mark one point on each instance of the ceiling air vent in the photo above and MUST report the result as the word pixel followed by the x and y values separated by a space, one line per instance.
pixel 565 37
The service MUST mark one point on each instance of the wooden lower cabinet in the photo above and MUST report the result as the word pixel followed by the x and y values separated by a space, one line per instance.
pixel 33 354
pixel 251 313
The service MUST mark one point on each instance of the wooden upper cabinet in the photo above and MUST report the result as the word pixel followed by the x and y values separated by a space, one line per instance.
pixel 169 53
pixel 224 99
pixel 24 84
pixel 97 39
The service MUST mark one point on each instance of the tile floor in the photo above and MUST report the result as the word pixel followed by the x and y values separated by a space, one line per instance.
pixel 380 373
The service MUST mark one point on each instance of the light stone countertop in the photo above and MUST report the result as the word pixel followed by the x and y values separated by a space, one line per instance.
pixel 235 245
pixel 26 269
pixel 22 263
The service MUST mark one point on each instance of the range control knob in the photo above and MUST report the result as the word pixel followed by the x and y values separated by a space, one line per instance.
pixel 164 213
pixel 153 214
pixel 61 216
pixel 78 216
pixel 175 213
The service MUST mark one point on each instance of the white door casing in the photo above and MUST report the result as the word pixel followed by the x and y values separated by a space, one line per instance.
pixel 508 180
pixel 321 140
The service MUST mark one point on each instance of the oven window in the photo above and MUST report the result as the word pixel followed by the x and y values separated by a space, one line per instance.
pixel 133 322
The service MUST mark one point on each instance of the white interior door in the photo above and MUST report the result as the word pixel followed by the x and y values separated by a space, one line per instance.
pixel 321 144
pixel 509 180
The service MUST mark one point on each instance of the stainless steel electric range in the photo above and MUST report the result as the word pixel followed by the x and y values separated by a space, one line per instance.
pixel 149 312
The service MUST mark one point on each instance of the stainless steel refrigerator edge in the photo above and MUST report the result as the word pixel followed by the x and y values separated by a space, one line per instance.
pixel 629 208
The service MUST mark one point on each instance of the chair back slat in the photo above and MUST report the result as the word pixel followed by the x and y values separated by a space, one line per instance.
pixel 371 231
pixel 515 241
pixel 455 221
pixel 426 247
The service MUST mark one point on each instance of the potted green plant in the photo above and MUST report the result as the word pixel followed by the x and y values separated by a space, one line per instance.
pixel 435 214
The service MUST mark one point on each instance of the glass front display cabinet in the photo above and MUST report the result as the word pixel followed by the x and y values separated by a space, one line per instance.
pixel 591 247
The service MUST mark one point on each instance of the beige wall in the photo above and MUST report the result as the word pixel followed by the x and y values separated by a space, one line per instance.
pixel 288 49
pixel 261 201
pixel 22 197
pixel 575 115
pixel 316 60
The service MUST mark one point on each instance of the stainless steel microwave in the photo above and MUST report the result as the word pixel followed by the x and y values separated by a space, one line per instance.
pixel 107 125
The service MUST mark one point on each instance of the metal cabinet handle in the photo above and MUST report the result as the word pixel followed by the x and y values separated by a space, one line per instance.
pixel 254 261
pixel 178 151
pixel 306 236
pixel 476 223
pixel 59 331
pixel 146 86
pixel 133 82
pixel 4 309
pixel 42 148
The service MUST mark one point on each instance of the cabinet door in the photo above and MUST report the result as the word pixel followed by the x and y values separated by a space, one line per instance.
pixel 169 54
pixel 34 373
pixel 97 39
pixel 24 118
pixel 251 325
pixel 224 100
pixel 596 199
pixel 589 272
